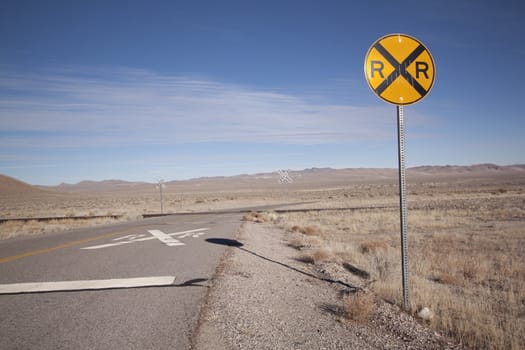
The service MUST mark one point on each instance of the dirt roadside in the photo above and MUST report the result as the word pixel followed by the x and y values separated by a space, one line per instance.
pixel 263 298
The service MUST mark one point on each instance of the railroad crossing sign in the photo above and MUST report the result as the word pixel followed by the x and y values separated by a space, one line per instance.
pixel 399 69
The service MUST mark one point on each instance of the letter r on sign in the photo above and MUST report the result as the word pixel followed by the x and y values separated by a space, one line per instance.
pixel 421 67
pixel 376 66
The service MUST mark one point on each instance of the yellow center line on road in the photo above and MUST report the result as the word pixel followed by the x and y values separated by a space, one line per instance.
pixel 61 246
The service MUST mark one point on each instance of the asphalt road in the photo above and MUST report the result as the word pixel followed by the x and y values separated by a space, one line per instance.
pixel 136 317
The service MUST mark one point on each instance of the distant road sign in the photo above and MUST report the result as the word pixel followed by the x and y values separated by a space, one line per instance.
pixel 399 69
pixel 284 177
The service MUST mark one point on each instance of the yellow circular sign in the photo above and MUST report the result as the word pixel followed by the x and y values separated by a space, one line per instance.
pixel 399 69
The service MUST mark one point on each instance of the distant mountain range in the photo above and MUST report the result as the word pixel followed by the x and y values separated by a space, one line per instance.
pixel 300 178
pixel 98 186
pixel 471 168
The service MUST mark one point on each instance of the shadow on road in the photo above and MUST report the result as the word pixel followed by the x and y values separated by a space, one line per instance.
pixel 236 244
pixel 226 242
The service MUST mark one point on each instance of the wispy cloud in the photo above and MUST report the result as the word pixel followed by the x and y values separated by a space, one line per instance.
pixel 82 107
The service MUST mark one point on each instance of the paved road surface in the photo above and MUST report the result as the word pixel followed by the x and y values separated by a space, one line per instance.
pixel 78 317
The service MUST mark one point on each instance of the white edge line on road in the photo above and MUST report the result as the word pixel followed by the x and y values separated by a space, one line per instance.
pixel 86 285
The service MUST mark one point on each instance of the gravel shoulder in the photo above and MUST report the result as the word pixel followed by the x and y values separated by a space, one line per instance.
pixel 263 298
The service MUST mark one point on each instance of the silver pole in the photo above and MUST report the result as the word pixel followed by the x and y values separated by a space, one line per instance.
pixel 161 184
pixel 403 206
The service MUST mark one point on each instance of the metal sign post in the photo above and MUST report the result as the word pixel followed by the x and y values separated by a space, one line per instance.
pixel 400 70
pixel 403 205
pixel 161 185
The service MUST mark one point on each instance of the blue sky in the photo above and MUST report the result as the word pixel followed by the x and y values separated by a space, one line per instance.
pixel 148 90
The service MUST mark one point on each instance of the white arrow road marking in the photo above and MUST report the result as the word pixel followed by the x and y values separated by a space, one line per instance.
pixel 164 238
pixel 86 285
pixel 135 238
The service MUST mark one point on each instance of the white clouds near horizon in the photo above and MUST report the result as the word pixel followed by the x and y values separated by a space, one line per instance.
pixel 85 107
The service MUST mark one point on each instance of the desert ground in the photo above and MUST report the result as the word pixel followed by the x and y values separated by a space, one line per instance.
pixel 466 231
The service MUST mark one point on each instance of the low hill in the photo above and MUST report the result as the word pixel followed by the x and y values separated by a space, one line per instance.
pixel 10 186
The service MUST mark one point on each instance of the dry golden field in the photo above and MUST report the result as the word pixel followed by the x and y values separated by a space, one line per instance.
pixel 466 233
pixel 466 252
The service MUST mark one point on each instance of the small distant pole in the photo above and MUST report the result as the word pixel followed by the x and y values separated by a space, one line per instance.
pixel 160 186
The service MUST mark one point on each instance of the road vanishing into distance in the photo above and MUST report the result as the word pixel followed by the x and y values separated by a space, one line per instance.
pixel 136 285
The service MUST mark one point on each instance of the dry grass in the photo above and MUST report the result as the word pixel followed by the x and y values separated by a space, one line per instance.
pixel 322 255
pixel 11 229
pixel 306 258
pixel 311 230
pixel 373 247
pixel 359 306
pixel 316 256
pixel 466 255
pixel 296 243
